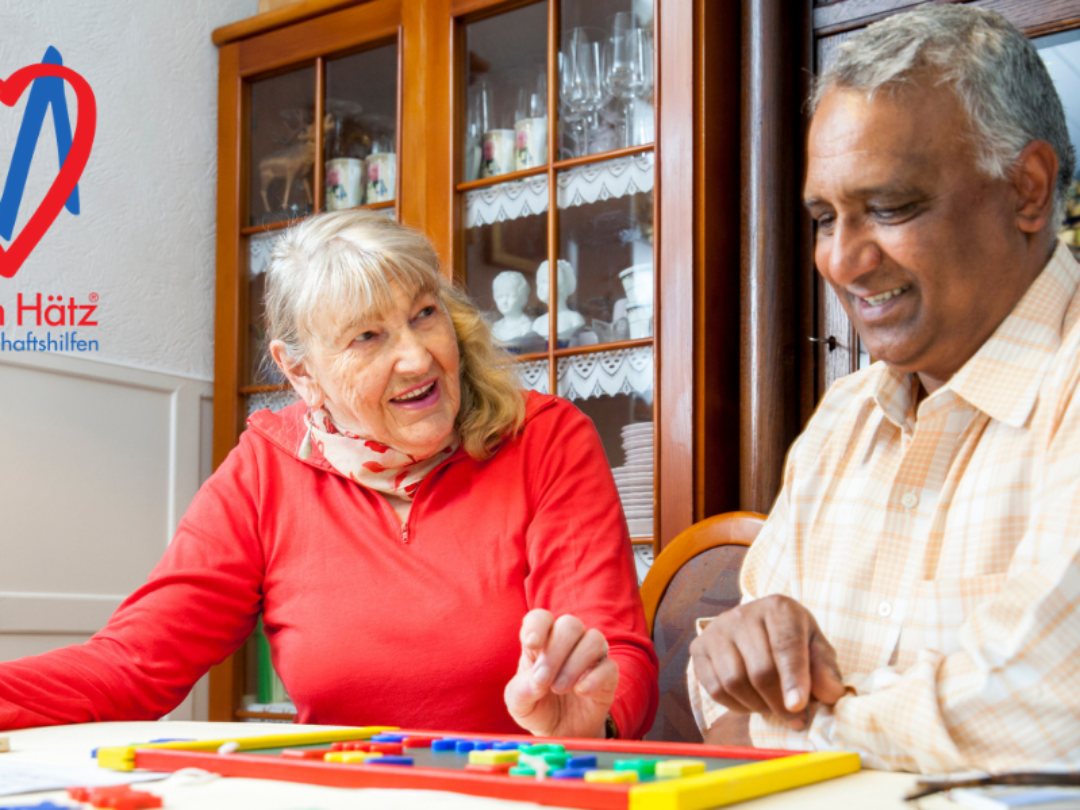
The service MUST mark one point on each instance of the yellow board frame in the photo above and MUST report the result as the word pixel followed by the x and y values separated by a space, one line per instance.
pixel 743 782
pixel 122 758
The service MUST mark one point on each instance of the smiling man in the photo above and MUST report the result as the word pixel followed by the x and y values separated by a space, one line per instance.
pixel 915 593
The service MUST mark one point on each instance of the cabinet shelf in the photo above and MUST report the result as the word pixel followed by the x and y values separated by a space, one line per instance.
pixel 280 225
pixel 578 185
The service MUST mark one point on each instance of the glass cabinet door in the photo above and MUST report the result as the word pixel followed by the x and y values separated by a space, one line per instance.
pixel 361 129
pixel 312 151
pixel 555 179
pixel 282 147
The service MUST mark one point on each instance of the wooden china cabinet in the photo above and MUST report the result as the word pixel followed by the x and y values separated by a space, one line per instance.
pixel 553 152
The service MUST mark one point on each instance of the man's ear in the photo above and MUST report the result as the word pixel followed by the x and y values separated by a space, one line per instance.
pixel 1035 179
pixel 298 375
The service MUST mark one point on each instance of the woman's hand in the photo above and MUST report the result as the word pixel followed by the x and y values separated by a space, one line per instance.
pixel 565 683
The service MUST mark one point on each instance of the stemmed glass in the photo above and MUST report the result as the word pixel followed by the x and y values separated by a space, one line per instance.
pixel 477 118
pixel 580 82
pixel 568 117
pixel 627 72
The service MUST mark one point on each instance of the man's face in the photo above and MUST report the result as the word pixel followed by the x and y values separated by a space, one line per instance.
pixel 920 246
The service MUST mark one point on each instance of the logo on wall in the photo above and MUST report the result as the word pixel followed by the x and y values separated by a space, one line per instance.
pixel 46 82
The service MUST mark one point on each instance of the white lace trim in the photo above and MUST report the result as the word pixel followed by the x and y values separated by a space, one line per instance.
pixel 581 186
pixel 624 371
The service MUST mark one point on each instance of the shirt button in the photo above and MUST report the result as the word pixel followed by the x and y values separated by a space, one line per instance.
pixel 884 610
pixel 909 500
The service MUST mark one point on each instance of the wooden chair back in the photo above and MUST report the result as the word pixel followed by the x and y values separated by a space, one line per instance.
pixel 697 574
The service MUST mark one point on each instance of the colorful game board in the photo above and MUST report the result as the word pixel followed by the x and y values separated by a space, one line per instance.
pixel 589 774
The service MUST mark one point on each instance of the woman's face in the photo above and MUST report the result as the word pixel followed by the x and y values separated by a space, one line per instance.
pixel 393 379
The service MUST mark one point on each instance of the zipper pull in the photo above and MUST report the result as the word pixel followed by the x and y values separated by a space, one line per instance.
pixel 405 533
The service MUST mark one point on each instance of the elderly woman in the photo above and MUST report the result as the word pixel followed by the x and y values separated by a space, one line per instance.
pixel 419 535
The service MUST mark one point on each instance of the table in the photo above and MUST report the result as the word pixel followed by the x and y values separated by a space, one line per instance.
pixel 71 745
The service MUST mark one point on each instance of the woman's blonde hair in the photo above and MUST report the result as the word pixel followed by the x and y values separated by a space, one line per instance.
pixel 345 262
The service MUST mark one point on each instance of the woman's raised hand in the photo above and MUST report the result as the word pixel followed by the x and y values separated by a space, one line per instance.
pixel 565 683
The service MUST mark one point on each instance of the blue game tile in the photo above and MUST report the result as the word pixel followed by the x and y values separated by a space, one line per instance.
pixel 445 744
pixel 482 745
pixel 389 760
pixel 584 761
pixel 464 746
pixel 389 737
pixel 172 739
pixel 570 773
pixel 41 806
pixel 506 746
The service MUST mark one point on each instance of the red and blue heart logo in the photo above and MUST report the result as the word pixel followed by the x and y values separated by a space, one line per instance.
pixel 72 166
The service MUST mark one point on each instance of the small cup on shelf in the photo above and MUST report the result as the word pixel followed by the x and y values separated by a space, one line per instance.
pixel 344 183
pixel 531 143
pixel 531 125
pixel 498 152
pixel 381 177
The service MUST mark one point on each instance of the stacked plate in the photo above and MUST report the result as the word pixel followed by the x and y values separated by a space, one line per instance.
pixel 635 478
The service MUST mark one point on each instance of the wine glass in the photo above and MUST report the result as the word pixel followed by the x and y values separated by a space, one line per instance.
pixel 476 124
pixel 568 116
pixel 532 100
pixel 581 80
pixel 627 70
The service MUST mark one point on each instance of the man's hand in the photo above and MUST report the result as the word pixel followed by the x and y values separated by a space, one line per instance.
pixel 565 683
pixel 769 657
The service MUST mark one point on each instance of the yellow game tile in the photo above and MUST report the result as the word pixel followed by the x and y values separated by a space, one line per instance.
pixel 492 757
pixel 673 768
pixel 350 756
pixel 611 776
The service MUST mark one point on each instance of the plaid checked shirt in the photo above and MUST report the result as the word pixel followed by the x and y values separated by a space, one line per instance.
pixel 938 547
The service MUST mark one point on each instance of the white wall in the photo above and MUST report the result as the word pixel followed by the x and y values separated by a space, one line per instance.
pixel 100 453
pixel 145 238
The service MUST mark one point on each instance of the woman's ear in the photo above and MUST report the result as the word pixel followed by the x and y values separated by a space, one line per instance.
pixel 298 374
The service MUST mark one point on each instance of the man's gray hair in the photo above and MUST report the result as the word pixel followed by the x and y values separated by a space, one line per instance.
pixel 994 70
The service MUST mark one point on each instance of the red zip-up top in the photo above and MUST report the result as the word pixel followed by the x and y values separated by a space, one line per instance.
pixel 370 621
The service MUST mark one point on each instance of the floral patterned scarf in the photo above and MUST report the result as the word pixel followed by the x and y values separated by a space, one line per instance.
pixel 370 463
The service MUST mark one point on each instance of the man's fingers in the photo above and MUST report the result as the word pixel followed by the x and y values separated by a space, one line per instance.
pixel 719 667
pixel 565 634
pixel 746 671
pixel 825 681
pixel 590 650
pixel 535 629
pixel 788 626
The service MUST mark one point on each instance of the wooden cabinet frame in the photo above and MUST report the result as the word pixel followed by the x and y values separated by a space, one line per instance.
pixel 696 198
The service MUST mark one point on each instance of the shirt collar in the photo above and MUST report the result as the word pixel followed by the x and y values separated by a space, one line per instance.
pixel 1002 379
pixel 893 393
pixel 1004 376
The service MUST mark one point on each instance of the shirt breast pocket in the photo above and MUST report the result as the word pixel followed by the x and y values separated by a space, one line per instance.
pixel 939 607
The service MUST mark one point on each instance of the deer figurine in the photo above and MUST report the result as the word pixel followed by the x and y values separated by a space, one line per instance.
pixel 295 159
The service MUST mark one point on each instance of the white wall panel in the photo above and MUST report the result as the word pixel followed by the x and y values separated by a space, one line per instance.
pixel 97 464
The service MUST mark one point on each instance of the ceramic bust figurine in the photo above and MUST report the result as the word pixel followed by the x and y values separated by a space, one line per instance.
pixel 511 291
pixel 567 319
